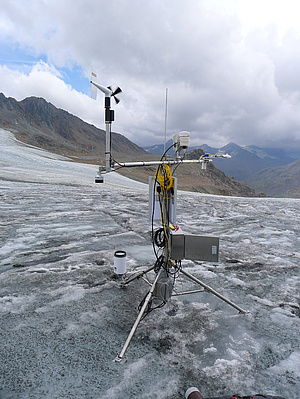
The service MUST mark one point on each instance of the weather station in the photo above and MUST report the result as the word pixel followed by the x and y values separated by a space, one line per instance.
pixel 170 244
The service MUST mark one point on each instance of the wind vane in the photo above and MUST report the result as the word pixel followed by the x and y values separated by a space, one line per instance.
pixel 108 114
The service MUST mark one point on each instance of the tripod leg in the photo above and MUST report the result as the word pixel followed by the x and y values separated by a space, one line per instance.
pixel 137 275
pixel 208 288
pixel 121 358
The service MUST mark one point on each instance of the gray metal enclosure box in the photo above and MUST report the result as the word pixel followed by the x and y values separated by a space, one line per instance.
pixel 177 245
pixel 194 247
pixel 201 248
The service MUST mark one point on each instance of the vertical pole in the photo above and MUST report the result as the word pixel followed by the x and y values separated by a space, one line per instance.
pixel 109 117
pixel 108 146
pixel 166 111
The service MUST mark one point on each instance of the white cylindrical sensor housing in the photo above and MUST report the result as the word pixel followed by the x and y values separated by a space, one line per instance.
pixel 120 262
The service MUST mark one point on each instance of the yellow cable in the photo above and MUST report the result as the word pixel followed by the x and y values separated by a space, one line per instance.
pixel 164 177
pixel 166 182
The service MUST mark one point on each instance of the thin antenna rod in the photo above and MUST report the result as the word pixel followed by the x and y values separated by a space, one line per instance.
pixel 166 112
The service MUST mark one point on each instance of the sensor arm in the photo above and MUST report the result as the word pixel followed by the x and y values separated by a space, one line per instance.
pixel 203 160
pixel 104 90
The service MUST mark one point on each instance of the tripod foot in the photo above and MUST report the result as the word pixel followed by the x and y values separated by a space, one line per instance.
pixel 120 359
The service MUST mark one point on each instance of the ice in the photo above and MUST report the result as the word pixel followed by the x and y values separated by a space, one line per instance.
pixel 64 317
pixel 289 365
pixel 24 163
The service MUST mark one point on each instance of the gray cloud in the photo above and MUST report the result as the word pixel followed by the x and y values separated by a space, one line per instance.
pixel 222 86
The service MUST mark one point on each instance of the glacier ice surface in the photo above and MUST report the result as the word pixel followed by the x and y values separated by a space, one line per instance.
pixel 64 318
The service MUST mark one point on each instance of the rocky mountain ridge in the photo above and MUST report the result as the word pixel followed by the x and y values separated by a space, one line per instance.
pixel 246 161
pixel 36 122
pixel 282 181
pixel 272 171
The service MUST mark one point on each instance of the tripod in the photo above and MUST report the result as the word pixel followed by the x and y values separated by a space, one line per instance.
pixel 121 357
pixel 165 267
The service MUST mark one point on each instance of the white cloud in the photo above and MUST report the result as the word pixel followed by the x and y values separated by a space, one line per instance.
pixel 45 81
pixel 228 79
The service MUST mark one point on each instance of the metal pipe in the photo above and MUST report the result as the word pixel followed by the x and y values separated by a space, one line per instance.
pixel 166 112
pixel 187 292
pixel 146 281
pixel 108 147
pixel 137 275
pixel 171 161
pixel 165 162
pixel 120 358
pixel 208 288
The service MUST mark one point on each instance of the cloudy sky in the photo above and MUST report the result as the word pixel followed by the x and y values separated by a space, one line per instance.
pixel 232 67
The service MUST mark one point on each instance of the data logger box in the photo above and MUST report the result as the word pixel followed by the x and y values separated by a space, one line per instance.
pixel 201 248
pixel 194 247
pixel 177 245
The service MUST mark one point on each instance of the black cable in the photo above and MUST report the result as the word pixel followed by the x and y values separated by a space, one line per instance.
pixel 123 166
pixel 175 167
pixel 149 308
pixel 166 151
pixel 176 271
pixel 160 238
pixel 152 218
pixel 158 264
pixel 120 165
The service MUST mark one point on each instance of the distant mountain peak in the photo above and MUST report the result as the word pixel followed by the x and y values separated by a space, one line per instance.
pixel 38 122
pixel 247 160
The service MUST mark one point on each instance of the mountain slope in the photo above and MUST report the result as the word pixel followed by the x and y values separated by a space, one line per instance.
pixel 213 179
pixel 246 161
pixel 283 181
pixel 158 149
pixel 37 122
